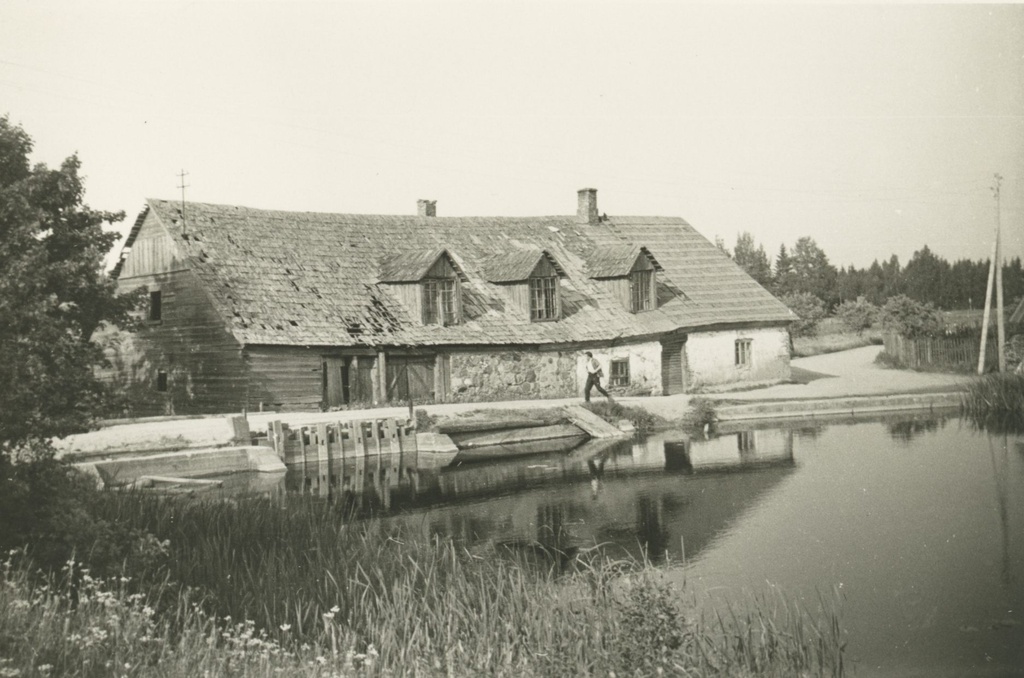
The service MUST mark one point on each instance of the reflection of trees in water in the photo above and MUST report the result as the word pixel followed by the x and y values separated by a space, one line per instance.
pixel 906 429
pixel 997 424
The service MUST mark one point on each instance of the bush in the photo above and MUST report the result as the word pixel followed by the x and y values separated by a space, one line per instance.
pixel 857 316
pixel 909 318
pixel 702 413
pixel 810 310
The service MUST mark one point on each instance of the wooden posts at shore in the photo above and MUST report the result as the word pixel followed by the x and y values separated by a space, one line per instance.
pixel 348 456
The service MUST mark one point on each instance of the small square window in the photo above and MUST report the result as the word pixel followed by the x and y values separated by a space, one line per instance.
pixel 619 375
pixel 155 306
pixel 161 381
pixel 743 352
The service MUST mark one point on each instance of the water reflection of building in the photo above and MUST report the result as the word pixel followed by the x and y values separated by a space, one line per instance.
pixel 667 496
pixel 639 499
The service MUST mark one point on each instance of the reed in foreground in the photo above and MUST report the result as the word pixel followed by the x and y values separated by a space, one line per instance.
pixel 995 397
pixel 258 588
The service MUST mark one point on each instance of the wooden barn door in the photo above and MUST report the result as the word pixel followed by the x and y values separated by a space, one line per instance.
pixel 410 377
pixel 673 366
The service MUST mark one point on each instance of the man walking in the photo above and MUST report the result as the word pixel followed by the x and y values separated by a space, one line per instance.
pixel 594 374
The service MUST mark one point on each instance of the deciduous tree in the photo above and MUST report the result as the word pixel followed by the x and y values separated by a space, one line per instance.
pixel 53 296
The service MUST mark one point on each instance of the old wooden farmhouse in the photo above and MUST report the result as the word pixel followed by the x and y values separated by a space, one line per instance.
pixel 254 308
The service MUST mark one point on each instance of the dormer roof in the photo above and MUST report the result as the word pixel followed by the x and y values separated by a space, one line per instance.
pixel 413 266
pixel 616 261
pixel 517 265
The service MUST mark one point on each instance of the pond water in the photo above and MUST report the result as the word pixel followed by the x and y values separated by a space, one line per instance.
pixel 917 523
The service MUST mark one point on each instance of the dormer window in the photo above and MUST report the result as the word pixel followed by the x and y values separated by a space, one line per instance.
pixel 544 298
pixel 440 301
pixel 428 283
pixel 532 278
pixel 641 291
pixel 629 273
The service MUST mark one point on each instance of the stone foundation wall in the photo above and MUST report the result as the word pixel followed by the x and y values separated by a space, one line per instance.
pixel 512 375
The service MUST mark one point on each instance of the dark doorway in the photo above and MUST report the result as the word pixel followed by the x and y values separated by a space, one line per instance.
pixel 347 380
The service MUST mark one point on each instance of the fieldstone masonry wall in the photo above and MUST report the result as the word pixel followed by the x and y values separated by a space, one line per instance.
pixel 512 375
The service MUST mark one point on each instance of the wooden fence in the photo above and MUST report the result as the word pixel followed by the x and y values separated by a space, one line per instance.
pixel 957 353
pixel 350 456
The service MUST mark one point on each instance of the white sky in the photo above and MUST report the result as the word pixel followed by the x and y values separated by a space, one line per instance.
pixel 873 129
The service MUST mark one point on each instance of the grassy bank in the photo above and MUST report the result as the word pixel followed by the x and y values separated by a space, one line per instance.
pixel 256 587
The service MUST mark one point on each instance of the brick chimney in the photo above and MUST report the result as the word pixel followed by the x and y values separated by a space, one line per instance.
pixel 426 208
pixel 586 212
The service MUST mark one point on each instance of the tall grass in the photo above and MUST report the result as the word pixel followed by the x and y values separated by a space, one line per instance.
pixel 254 586
pixel 995 398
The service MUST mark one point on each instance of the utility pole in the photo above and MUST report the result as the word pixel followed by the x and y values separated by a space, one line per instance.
pixel 1000 330
pixel 994 266
pixel 181 176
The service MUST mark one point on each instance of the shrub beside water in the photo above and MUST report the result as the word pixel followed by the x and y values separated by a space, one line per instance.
pixel 255 587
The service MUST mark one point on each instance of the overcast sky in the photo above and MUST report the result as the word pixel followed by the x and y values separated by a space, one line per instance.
pixel 873 129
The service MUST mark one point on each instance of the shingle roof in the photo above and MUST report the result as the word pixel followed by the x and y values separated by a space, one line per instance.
pixel 516 265
pixel 614 261
pixel 302 278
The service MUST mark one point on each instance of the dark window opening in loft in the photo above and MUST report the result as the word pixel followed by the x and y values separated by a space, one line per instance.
pixel 440 302
pixel 544 298
pixel 155 306
pixel 619 372
pixel 743 352
pixel 745 441
pixel 641 291
pixel 161 381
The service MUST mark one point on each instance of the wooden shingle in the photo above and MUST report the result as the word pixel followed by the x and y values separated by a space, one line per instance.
pixel 302 278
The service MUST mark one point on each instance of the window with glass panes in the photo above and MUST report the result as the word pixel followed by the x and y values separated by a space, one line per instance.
pixel 619 372
pixel 544 298
pixel 440 301
pixel 641 291
pixel 743 352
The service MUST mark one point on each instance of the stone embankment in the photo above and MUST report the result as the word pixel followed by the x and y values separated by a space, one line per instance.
pixel 777 409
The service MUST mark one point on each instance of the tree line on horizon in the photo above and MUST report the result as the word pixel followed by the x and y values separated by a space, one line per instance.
pixel 928 278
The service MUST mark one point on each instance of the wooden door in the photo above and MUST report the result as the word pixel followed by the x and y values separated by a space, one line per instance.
pixel 410 377
pixel 361 380
pixel 335 373
pixel 673 366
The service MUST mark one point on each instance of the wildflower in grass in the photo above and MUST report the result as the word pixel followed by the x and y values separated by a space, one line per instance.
pixel 285 627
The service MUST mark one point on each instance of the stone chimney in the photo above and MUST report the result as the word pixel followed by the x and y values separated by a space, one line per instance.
pixel 586 212
pixel 426 208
